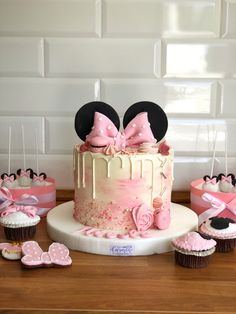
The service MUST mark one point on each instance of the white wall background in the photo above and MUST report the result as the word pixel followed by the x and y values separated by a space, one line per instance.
pixel 56 55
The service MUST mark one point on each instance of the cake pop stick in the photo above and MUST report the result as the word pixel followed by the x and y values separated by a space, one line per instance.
pixel 36 150
pixel 24 175
pixel 226 181
pixel 9 151
pixel 38 178
pixel 23 144
pixel 9 179
pixel 226 150
pixel 214 154
pixel 211 182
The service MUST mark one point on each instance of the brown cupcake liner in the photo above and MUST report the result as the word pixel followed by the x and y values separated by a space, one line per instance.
pixel 225 245
pixel 20 234
pixel 191 261
pixel 222 245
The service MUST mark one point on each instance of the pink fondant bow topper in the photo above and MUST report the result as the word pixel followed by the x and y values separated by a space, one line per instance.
pixel 38 178
pixel 212 181
pixel 11 178
pixel 226 179
pixel 9 205
pixel 105 133
pixel 24 173
pixel 217 206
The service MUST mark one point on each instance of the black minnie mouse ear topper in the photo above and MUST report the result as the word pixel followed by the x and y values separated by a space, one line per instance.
pixel 156 117
pixel 85 117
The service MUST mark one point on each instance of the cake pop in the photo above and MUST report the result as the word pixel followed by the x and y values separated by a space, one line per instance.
pixel 226 183
pixel 210 183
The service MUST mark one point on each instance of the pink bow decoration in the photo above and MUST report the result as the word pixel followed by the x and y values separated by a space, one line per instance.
pixel 212 181
pixel 8 178
pixel 104 132
pixel 24 173
pixel 217 206
pixel 226 179
pixel 38 178
pixel 33 255
pixel 9 205
pixel 30 211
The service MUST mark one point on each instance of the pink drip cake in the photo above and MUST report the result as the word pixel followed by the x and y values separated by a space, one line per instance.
pixel 123 180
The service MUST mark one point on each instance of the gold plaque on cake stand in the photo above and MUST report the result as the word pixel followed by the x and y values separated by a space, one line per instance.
pixel 63 228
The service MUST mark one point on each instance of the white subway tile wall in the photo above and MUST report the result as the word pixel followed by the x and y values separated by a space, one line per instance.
pixel 57 55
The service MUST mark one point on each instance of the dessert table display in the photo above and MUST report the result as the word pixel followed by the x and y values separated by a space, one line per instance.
pixel 117 284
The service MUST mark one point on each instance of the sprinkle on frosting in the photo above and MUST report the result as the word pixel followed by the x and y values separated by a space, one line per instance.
pixel 193 241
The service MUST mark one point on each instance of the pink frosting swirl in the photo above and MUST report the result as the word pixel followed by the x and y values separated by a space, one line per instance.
pixel 109 150
pixel 164 149
pixel 143 217
pixel 193 241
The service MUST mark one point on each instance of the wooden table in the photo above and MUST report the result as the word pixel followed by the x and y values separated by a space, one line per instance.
pixel 106 284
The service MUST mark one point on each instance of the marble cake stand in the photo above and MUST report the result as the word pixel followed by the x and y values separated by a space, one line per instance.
pixel 63 228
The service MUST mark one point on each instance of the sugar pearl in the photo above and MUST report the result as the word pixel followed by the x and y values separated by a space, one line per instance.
pixel 133 125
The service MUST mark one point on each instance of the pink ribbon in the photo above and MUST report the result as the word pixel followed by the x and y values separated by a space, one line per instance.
pixel 217 206
pixel 104 132
pixel 212 181
pixel 226 179
pixel 30 211
pixel 10 205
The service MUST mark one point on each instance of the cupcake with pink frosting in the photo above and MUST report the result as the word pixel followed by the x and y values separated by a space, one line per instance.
pixel 222 230
pixel 192 250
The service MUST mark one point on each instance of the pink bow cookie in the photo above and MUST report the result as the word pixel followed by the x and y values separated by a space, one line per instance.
pixel 33 255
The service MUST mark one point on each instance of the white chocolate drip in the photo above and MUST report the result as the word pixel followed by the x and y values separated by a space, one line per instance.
pixel 108 168
pixel 131 168
pixel 83 170
pixel 82 159
pixel 78 166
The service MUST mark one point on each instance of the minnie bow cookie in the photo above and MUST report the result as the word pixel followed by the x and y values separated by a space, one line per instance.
pixel 33 255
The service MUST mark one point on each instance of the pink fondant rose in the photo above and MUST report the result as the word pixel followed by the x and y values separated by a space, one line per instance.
pixel 84 147
pixel 143 217
pixel 164 149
